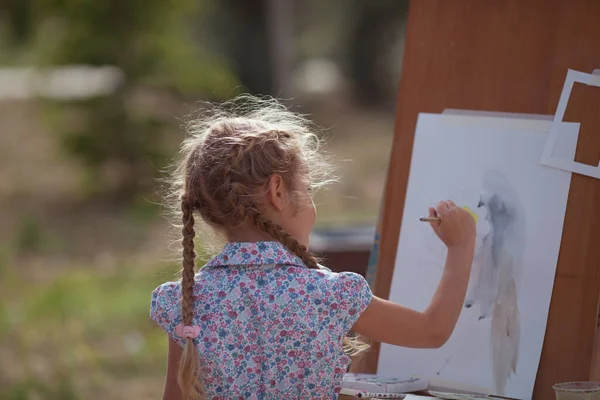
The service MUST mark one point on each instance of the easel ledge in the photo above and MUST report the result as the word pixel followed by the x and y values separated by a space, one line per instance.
pixel 510 56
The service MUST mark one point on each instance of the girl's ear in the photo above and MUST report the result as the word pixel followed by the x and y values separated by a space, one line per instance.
pixel 276 192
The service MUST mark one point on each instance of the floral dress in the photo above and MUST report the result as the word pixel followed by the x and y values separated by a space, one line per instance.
pixel 270 328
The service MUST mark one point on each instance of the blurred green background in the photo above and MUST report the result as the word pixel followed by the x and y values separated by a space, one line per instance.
pixel 93 95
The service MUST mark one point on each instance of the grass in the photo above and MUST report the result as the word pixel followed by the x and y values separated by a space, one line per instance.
pixel 82 333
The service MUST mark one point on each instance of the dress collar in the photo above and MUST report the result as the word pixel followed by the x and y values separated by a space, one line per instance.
pixel 255 253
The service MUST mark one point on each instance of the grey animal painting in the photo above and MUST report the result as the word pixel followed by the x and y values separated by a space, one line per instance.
pixel 496 271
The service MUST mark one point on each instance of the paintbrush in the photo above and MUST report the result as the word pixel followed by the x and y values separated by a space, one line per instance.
pixel 437 219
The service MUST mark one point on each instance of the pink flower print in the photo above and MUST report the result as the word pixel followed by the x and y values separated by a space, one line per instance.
pixel 280 337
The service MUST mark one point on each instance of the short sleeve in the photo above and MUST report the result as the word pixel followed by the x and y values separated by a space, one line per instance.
pixel 324 268
pixel 165 309
pixel 353 295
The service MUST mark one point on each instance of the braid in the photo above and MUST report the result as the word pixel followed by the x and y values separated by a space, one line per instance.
pixel 245 210
pixel 189 256
pixel 282 236
pixel 189 367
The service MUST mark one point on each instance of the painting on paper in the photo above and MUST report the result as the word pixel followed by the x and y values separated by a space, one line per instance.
pixel 492 166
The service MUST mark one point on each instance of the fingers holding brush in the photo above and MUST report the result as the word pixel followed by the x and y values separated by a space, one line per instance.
pixel 453 225
pixel 442 208
pixel 436 214
pixel 432 217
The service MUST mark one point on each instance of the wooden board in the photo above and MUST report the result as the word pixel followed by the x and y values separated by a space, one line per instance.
pixel 509 56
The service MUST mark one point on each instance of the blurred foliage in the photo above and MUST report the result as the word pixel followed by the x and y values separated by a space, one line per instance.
pixel 155 45
pixel 149 40
pixel 79 331
pixel 240 29
pixel 183 49
pixel 374 62
pixel 32 236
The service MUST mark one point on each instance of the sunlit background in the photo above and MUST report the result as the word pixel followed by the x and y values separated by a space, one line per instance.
pixel 93 95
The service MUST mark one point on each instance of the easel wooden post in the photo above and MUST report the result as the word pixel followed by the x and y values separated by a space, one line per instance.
pixel 509 56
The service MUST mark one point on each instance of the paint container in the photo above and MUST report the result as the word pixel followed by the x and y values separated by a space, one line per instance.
pixel 577 391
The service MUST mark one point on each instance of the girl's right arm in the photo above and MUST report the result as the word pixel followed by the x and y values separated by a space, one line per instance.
pixel 388 322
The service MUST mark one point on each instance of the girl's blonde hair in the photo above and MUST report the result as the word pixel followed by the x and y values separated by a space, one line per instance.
pixel 229 155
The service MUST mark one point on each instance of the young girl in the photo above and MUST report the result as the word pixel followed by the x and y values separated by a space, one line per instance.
pixel 263 320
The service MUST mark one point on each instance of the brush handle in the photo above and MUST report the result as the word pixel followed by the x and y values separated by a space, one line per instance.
pixel 429 219
pixel 437 219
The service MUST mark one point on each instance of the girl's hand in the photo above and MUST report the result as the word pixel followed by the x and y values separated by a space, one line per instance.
pixel 456 226
pixel 388 322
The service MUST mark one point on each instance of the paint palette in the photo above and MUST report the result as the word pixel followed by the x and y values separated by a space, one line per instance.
pixel 456 396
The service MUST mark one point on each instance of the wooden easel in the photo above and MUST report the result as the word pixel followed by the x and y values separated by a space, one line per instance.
pixel 509 56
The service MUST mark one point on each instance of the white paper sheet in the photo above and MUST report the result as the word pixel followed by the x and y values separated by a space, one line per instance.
pixel 449 161
pixel 550 157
